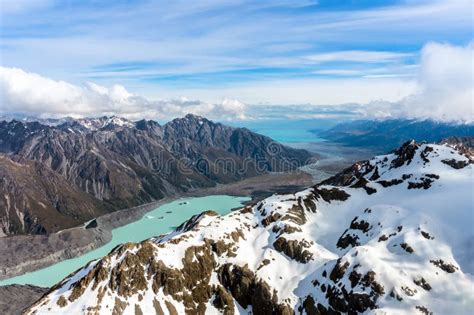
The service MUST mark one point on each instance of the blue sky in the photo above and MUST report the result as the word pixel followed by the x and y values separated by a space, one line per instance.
pixel 254 51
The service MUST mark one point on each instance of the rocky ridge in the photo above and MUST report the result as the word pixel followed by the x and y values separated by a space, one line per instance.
pixel 111 163
pixel 360 242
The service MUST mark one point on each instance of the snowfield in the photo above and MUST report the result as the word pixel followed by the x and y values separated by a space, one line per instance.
pixel 392 235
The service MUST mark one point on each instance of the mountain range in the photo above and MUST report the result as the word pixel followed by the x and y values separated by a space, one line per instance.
pixel 59 173
pixel 391 235
pixel 384 135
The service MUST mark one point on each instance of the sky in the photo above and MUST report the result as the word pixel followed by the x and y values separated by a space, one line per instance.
pixel 159 59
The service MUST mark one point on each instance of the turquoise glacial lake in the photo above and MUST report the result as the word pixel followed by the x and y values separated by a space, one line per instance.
pixel 159 221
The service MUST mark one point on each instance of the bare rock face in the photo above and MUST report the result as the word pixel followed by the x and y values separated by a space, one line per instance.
pixel 330 249
pixel 249 291
pixel 36 200
pixel 14 298
pixel 110 163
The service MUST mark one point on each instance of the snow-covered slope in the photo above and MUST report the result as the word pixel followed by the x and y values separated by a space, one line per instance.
pixel 85 125
pixel 392 235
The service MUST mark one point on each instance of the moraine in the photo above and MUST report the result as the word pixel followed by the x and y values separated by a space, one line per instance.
pixel 161 220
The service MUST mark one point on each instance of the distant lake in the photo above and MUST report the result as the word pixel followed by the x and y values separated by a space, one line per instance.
pixel 288 131
pixel 159 221
pixel 333 157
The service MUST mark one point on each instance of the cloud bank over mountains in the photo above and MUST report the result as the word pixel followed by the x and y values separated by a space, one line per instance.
pixel 446 83
pixel 443 90
pixel 445 87
pixel 31 94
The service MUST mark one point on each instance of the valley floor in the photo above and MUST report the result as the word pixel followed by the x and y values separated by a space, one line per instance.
pixel 26 253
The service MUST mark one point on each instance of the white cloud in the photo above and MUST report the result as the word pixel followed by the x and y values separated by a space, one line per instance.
pixel 442 90
pixel 446 83
pixel 31 94
pixel 445 87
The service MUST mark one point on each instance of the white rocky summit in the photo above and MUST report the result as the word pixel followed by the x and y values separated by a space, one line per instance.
pixel 392 235
pixel 103 122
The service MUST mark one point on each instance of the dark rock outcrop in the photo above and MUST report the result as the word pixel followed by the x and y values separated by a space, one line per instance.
pixel 294 249
pixel 449 268
pixel 248 290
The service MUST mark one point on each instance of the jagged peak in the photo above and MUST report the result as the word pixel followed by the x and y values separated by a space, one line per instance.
pixel 104 121
pixel 146 124
pixel 194 117
pixel 407 164
pixel 194 120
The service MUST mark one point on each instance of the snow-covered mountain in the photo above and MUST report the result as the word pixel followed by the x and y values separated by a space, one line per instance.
pixel 392 235
pixel 84 125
